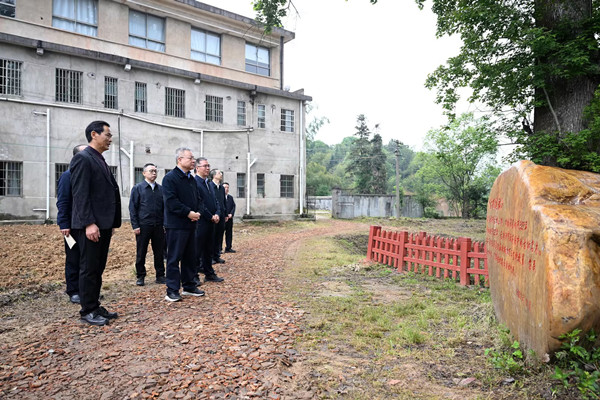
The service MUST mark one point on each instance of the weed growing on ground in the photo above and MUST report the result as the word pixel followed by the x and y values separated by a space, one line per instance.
pixel 578 363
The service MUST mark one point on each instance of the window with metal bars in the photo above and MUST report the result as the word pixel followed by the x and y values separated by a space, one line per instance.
pixel 262 116
pixel 260 185
pixel 140 97
pixel 113 170
pixel 68 86
pixel 286 186
pixel 214 108
pixel 79 16
pixel 11 178
pixel 175 102
pixel 241 113
pixel 7 8
pixel 287 120
pixel 59 169
pixel 111 93
pixel 138 175
pixel 10 77
pixel 241 185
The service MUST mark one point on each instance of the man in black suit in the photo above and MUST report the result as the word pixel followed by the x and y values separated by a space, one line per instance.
pixel 182 211
pixel 64 204
pixel 206 225
pixel 229 213
pixel 146 212
pixel 96 212
pixel 216 177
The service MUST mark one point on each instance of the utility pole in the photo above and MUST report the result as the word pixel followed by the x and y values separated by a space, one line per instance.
pixel 397 153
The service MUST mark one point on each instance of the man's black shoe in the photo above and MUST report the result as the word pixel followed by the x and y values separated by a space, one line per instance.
pixel 219 261
pixel 94 318
pixel 196 281
pixel 173 296
pixel 75 299
pixel 230 251
pixel 140 282
pixel 161 280
pixel 103 312
pixel 193 292
pixel 214 278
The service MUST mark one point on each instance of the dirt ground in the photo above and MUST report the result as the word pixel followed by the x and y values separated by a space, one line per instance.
pixel 237 342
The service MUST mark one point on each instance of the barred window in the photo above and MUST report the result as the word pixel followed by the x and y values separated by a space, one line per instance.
pixel 7 8
pixel 286 186
pixel 260 185
pixel 59 169
pixel 10 77
pixel 68 86
pixel 257 60
pixel 11 178
pixel 111 90
pixel 241 113
pixel 140 97
pixel 79 16
pixel 206 47
pixel 287 120
pixel 113 170
pixel 214 108
pixel 138 175
pixel 241 185
pixel 262 116
pixel 175 102
pixel 146 31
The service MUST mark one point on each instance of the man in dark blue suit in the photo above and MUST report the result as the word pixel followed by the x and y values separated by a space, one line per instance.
pixel 216 177
pixel 64 203
pixel 230 212
pixel 182 211
pixel 96 212
pixel 206 225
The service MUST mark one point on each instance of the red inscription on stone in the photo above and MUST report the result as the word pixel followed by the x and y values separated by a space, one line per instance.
pixel 524 300
pixel 496 204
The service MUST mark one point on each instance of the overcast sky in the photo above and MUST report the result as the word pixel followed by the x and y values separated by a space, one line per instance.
pixel 356 58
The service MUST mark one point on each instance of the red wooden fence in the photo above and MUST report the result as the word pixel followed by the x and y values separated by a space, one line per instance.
pixel 461 258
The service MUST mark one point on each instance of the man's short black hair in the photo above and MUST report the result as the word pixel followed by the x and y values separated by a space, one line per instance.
pixel 225 183
pixel 147 165
pixel 77 148
pixel 96 126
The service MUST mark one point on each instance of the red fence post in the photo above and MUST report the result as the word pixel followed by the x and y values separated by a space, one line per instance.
pixel 401 250
pixel 373 232
pixel 465 262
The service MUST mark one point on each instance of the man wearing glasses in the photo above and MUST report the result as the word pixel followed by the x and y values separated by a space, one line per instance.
pixel 146 212
pixel 182 211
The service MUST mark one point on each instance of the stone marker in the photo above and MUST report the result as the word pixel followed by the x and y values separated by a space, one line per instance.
pixel 543 248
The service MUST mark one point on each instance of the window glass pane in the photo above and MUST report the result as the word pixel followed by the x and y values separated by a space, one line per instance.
pixel 198 41
pixel 137 24
pixel 137 41
pixel 263 56
pixel 87 30
pixel 87 12
pixel 213 60
pixel 63 24
pixel 198 56
pixel 155 46
pixel 250 52
pixel 212 45
pixel 64 8
pixel 156 28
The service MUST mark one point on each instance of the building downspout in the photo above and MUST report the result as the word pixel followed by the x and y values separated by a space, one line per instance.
pixel 281 63
pixel 249 165
pixel 129 155
pixel 47 164
pixel 301 166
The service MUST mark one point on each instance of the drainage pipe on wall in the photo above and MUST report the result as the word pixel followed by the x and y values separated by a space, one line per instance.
pixel 249 165
pixel 301 166
pixel 47 115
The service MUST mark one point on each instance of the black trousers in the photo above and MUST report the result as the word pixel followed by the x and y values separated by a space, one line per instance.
pixel 228 234
pixel 72 268
pixel 92 262
pixel 156 236
pixel 218 240
pixel 204 247
pixel 182 250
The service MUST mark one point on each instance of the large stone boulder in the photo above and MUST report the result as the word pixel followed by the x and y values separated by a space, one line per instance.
pixel 543 248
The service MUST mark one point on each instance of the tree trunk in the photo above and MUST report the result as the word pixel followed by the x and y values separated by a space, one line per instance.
pixel 564 99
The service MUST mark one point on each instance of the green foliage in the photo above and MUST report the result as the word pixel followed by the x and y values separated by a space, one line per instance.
pixel 510 361
pixel 579 362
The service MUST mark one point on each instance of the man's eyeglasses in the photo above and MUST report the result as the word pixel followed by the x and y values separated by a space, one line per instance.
pixel 189 158
pixel 204 166
pixel 152 171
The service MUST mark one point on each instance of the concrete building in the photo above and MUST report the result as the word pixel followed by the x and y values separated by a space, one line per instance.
pixel 163 74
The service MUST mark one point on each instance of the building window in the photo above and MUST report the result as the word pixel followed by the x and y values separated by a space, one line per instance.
pixel 111 98
pixel 241 113
pixel 257 60
pixel 214 108
pixel 241 185
pixel 146 31
pixel 79 16
pixel 260 185
pixel 140 97
pixel 287 120
pixel 286 186
pixel 7 8
pixel 10 77
pixel 113 170
pixel 175 102
pixel 11 178
pixel 262 116
pixel 206 47
pixel 138 175
pixel 59 169
pixel 68 86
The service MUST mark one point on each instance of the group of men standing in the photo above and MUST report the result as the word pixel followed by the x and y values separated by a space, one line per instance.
pixel 186 217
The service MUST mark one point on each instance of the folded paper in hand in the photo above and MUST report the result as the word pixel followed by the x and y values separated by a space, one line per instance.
pixel 70 241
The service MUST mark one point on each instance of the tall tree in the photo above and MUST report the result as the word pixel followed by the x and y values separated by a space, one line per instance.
pixel 359 166
pixel 378 166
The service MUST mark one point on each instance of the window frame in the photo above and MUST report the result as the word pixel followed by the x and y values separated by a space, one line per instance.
pixel 111 100
pixel 140 103
pixel 241 185
pixel 59 169
pixel 6 5
pixel 205 56
pixel 72 95
pixel 77 23
pixel 241 113
pixel 214 108
pixel 287 120
pixel 173 108
pixel 260 185
pixel 261 121
pixel 286 188
pixel 253 65
pixel 138 175
pixel 12 75
pixel 5 187
pixel 162 45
